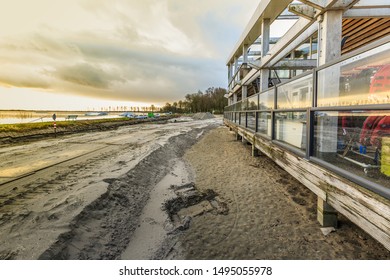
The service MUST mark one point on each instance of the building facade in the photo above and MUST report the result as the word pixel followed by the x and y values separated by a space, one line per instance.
pixel 317 101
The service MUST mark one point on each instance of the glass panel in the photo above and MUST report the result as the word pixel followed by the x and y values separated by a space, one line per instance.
pixel 238 106
pixel 296 94
pixel 237 118
pixel 281 74
pixel 291 128
pixel 251 120
pixel 264 123
pixel 314 47
pixel 267 99
pixel 357 141
pixel 363 79
pixel 242 119
pixel 253 102
pixel 244 105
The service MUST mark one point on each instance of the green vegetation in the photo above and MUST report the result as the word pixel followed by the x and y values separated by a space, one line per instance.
pixel 212 100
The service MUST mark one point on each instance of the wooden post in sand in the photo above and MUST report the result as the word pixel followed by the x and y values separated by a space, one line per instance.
pixel 255 151
pixel 326 214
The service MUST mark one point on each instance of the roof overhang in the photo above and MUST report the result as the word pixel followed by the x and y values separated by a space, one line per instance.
pixel 267 9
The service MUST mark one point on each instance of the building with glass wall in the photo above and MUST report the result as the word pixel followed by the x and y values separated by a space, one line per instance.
pixel 316 100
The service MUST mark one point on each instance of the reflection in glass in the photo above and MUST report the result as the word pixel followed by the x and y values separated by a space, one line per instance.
pixel 251 120
pixel 290 128
pixel 237 118
pixel 242 119
pixel 238 106
pixel 267 100
pixel 360 80
pixel 253 102
pixel 264 123
pixel 357 141
pixel 244 105
pixel 296 94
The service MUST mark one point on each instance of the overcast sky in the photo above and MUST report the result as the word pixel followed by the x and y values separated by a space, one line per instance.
pixel 61 53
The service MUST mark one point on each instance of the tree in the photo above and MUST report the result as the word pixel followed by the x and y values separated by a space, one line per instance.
pixel 212 100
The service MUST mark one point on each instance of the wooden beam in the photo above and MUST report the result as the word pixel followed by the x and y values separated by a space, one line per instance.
pixel 303 10
pixel 362 4
pixel 299 33
pixel 367 13
pixel 295 64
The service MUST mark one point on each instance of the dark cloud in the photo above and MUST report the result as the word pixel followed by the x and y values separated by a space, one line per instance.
pixel 86 75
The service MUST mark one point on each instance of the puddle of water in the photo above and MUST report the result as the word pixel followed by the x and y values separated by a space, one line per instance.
pixel 152 231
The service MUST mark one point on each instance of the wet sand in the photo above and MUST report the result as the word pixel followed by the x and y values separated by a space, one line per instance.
pixel 85 198
pixel 183 190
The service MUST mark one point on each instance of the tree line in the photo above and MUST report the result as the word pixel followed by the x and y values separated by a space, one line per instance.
pixel 212 100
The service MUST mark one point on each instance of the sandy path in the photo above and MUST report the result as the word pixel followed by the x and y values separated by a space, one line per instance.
pixel 102 195
pixel 65 197
pixel 271 215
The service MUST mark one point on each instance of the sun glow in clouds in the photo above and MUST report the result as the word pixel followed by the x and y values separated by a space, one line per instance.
pixel 80 54
pixel 28 99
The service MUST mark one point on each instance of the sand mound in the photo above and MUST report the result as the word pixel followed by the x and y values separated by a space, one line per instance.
pixel 203 116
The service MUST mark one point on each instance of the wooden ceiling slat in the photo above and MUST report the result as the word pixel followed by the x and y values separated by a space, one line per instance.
pixel 363 31
pixel 373 36
pixel 359 24
pixel 367 32
pixel 347 22
pixel 362 25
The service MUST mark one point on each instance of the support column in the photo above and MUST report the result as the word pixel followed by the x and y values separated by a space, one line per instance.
pixel 237 77
pixel 245 54
pixel 244 92
pixel 234 98
pixel 326 214
pixel 330 32
pixel 230 72
pixel 265 37
pixel 255 151
pixel 330 36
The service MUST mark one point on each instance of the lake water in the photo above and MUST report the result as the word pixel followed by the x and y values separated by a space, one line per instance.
pixel 10 117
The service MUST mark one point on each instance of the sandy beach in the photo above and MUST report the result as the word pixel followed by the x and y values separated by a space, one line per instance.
pixel 271 215
pixel 180 190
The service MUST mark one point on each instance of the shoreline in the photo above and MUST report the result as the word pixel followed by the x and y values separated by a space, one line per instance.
pixel 31 132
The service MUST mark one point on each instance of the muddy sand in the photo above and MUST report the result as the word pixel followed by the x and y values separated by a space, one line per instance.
pixel 180 190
